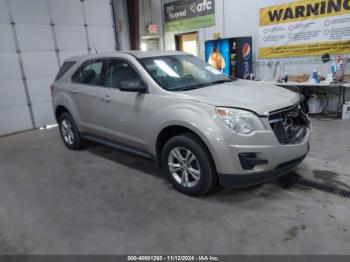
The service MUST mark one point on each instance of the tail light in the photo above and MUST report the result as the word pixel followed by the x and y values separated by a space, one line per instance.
pixel 52 89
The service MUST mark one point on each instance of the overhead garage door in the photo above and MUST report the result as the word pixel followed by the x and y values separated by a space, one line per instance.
pixel 36 37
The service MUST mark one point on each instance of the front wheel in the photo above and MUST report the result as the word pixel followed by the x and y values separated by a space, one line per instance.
pixel 188 165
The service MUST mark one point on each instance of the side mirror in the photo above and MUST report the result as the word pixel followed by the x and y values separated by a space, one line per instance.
pixel 133 85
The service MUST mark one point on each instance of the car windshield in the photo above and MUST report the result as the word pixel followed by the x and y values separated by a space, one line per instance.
pixel 182 72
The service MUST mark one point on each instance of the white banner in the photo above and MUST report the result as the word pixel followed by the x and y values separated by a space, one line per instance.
pixel 304 28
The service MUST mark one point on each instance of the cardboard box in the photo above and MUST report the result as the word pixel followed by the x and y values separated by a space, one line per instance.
pixel 346 111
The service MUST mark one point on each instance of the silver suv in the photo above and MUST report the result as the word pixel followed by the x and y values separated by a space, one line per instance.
pixel 201 127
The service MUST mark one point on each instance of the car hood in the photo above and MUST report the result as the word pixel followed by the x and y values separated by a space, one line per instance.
pixel 259 97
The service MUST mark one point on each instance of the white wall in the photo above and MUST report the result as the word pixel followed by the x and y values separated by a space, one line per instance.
pixel 151 13
pixel 122 24
pixel 236 18
pixel 36 37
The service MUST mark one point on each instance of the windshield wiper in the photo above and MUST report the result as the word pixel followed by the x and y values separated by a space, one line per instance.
pixel 193 87
pixel 221 82
pixel 202 85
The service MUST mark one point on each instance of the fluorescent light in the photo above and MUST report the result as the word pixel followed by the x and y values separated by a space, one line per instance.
pixel 144 47
pixel 48 127
pixel 51 126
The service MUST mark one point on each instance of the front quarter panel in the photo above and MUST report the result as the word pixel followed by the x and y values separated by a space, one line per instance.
pixel 201 119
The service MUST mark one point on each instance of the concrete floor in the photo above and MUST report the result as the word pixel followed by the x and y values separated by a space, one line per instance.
pixel 100 201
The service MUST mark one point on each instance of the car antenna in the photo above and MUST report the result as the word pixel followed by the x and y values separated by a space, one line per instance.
pixel 95 47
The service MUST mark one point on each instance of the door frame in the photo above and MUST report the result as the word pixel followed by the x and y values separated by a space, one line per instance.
pixel 177 40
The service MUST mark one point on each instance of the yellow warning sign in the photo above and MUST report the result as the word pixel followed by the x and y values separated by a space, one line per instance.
pixel 303 10
pixel 305 50
pixel 305 28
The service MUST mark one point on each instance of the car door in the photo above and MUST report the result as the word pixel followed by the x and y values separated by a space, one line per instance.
pixel 125 114
pixel 88 95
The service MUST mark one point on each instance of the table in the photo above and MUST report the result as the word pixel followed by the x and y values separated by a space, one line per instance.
pixel 304 88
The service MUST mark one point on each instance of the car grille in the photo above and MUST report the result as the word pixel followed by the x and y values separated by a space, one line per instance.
pixel 290 125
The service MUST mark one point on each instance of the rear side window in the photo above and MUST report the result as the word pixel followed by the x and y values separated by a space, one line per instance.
pixel 64 68
pixel 90 74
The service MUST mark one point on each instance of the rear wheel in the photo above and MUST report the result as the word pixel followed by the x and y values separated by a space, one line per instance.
pixel 69 132
pixel 188 165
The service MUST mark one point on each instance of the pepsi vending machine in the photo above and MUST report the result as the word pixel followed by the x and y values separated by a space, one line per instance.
pixel 232 56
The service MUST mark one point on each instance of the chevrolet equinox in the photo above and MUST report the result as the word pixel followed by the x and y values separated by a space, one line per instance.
pixel 201 127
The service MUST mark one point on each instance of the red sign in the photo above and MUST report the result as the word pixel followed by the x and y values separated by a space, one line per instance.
pixel 152 29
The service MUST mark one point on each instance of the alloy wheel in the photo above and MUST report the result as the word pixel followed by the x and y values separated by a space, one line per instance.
pixel 67 132
pixel 184 167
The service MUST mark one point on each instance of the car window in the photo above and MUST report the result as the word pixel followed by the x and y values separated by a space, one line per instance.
pixel 190 69
pixel 119 71
pixel 90 74
pixel 182 72
pixel 64 68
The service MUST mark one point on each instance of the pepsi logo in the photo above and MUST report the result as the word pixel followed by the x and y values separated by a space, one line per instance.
pixel 246 51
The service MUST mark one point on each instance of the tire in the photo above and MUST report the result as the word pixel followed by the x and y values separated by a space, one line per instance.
pixel 195 176
pixel 69 132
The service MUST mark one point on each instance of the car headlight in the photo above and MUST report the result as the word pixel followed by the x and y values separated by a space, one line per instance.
pixel 240 121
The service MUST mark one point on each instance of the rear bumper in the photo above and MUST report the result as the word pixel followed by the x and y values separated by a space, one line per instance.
pixel 246 180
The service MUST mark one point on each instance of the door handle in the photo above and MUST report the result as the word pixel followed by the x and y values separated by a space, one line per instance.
pixel 107 99
pixel 74 91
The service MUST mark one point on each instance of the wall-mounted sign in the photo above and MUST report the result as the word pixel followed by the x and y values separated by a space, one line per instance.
pixel 216 35
pixel 305 28
pixel 152 29
pixel 189 14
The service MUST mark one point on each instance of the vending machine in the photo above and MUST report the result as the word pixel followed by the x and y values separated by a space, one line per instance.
pixel 232 56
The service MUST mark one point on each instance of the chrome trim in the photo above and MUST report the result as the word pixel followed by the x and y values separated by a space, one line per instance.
pixel 283 109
